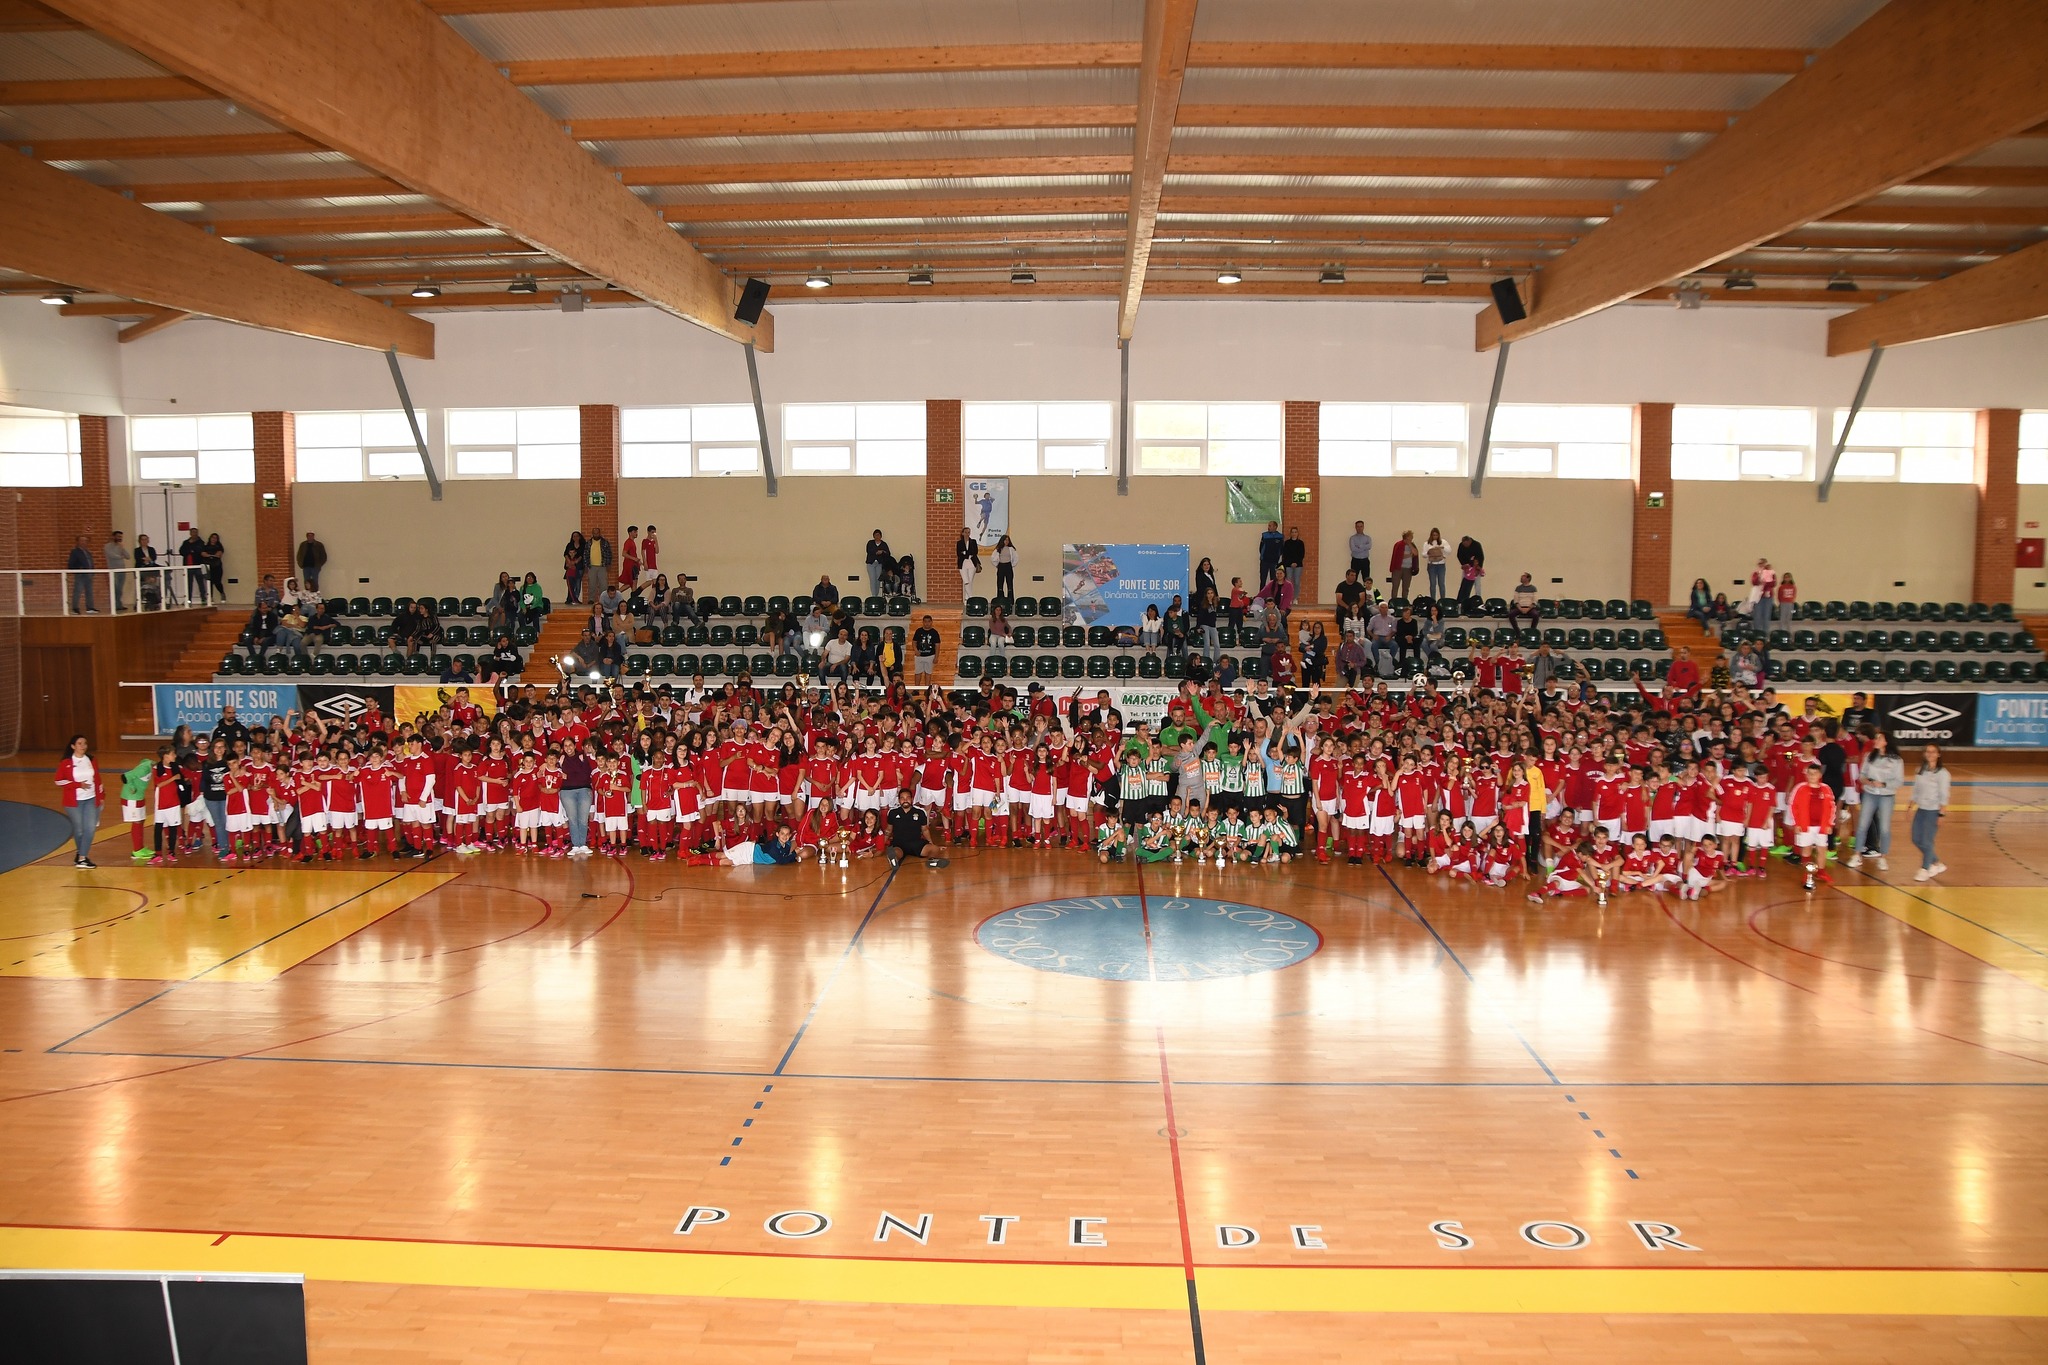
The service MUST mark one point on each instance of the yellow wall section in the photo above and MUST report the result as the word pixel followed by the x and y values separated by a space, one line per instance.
pixel 1861 543
pixel 1046 513
pixel 736 539
pixel 405 544
pixel 230 509
pixel 2030 586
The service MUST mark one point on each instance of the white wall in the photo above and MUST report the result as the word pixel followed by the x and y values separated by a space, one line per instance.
pixel 57 363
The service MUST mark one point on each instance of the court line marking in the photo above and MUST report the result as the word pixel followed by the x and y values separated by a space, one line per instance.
pixel 1239 1288
pixel 1953 914
pixel 1180 1192
pixel 838 967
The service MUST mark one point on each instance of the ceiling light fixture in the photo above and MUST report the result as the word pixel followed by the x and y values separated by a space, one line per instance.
pixel 58 297
pixel 1229 274
pixel 1739 279
pixel 425 290
pixel 919 277
pixel 1332 274
pixel 1691 294
pixel 1435 275
pixel 817 279
pixel 1023 275
pixel 1840 283
pixel 525 284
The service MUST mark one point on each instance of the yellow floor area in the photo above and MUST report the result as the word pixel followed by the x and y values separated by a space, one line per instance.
pixel 2006 926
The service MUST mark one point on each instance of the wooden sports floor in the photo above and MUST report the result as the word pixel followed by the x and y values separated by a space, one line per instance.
pixel 475 1100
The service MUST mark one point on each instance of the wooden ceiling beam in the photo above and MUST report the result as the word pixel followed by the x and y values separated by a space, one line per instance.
pixel 59 227
pixel 22 16
pixel 402 93
pixel 402 251
pixel 343 224
pixel 464 7
pixel 105 90
pixel 506 271
pixel 1999 293
pixel 1919 85
pixel 1162 69
pixel 941 57
pixel 160 148
pixel 136 331
pixel 225 191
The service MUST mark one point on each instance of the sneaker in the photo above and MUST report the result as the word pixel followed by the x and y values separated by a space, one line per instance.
pixel 140 855
pixel 1856 860
pixel 1922 875
pixel 937 862
pixel 1882 865
pixel 84 862
pixel 159 862
pixel 1937 870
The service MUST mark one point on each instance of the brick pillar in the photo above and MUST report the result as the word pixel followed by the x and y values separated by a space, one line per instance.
pixel 937 574
pixel 1649 557
pixel 1302 452
pixel 277 469
pixel 51 519
pixel 1998 503
pixel 600 474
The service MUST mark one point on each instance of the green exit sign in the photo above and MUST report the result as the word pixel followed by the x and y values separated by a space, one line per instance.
pixel 596 497
pixel 942 495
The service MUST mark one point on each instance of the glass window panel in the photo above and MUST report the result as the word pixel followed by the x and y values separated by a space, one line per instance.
pixel 726 422
pixel 2033 465
pixel 1558 423
pixel 1715 463
pixel 1355 459
pixel 1244 422
pixel 1000 421
pixel 388 429
pixel 989 457
pixel 329 430
pixel 330 464
pixel 1244 457
pixel 1172 420
pixel 551 461
pixel 654 460
pixel 38 435
pixel 1923 428
pixel 550 427
pixel 1937 464
pixel 1519 459
pixel 1867 464
pixel 482 427
pixel 1077 456
pixel 892 457
pixel 483 463
pixel 1429 422
pixel 39 469
pixel 1773 464
pixel 1170 459
pixel 394 464
pixel 2033 431
pixel 817 422
pixel 1738 426
pixel 169 467
pixel 826 459
pixel 227 466
pixel 1075 421
pixel 889 422
pixel 728 459
pixel 163 433
pixel 658 425
pixel 1426 459
pixel 1355 422
pixel 227 431
pixel 1593 460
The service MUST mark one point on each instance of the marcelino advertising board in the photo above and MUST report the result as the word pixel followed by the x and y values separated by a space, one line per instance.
pixel 2010 720
pixel 1928 717
pixel 1111 585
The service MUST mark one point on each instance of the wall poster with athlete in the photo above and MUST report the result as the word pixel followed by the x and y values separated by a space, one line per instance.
pixel 988 510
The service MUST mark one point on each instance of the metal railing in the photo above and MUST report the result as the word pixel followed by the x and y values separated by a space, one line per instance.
pixel 104 592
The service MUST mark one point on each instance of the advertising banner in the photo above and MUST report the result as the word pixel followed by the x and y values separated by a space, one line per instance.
pixel 988 510
pixel 1251 501
pixel 1111 585
pixel 199 704
pixel 410 702
pixel 2009 720
pixel 1136 702
pixel 345 703
pixel 1928 717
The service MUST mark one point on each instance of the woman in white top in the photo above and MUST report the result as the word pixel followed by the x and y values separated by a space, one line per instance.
pixel 1928 802
pixel 79 779
pixel 1763 597
pixel 1006 569
pixel 1434 557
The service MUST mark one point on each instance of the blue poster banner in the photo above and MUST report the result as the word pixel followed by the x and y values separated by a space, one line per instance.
pixel 1111 585
pixel 2012 720
pixel 199 704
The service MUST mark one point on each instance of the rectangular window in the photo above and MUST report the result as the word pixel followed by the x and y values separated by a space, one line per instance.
pixel 40 452
pixel 218 448
pixel 1376 440
pixel 1908 445
pixel 349 447
pixel 676 443
pixel 1035 438
pixel 854 438
pixel 1207 438
pixel 2034 447
pixel 1566 441
pixel 1727 444
pixel 520 443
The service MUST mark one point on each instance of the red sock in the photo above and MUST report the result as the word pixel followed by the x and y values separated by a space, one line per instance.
pixel 135 835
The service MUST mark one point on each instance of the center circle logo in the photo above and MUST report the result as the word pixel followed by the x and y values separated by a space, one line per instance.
pixel 1104 938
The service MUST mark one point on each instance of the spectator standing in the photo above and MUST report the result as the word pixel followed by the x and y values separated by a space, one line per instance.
pixel 1471 567
pixel 216 561
pixel 650 551
pixel 1270 541
pixel 80 563
pixel 1435 555
pixel 879 561
pixel 1763 596
pixel 1205 581
pixel 1204 613
pixel 312 558
pixel 925 645
pixel 578 767
pixel 968 555
pixel 629 557
pixel 1929 802
pixel 575 563
pixel 1408 640
pixel 192 554
pixel 1406 561
pixel 1788 599
pixel 1293 556
pixel 1880 774
pixel 213 790
pixel 1522 604
pixel 1361 550
pixel 78 778
pixel 116 557
pixel 1006 568
pixel 149 583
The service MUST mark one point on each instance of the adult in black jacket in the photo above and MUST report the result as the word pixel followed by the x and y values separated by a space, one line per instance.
pixel 879 562
pixel 1471 558
pixel 312 559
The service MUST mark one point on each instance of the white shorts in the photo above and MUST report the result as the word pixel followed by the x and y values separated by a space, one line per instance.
pixel 341 819
pixel 931 796
pixel 1850 797
pixel 867 800
pixel 1613 828
pixel 1694 879
pixel 493 807
pixel 1382 824
pixel 1440 863
pixel 979 798
pixel 1041 806
pixel 1414 822
pixel 1782 803
pixel 1585 817
pixel 315 823
pixel 1482 823
pixel 467 817
pixel 615 824
pixel 765 798
pixel 196 813
pixel 1016 796
pixel 963 801
pixel 1690 829
pixel 171 818
pixel 1069 801
pixel 1556 884
pixel 1809 838
pixel 817 799
pixel 661 815
pixel 131 811
pixel 1757 838
pixel 526 819
pixel 240 824
pixel 553 819
pixel 1498 872
pixel 741 854
pixel 1357 821
pixel 1662 829
pixel 1731 829
pixel 416 813
pixel 1328 807
pixel 1552 809
pixel 380 822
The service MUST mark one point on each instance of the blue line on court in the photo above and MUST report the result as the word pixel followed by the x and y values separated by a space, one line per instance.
pixel 839 967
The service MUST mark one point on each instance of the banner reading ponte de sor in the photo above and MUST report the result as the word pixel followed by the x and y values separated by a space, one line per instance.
pixel 1111 585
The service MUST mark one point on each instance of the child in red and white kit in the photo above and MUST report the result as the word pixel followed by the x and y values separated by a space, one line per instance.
pixel 613 791
pixel 1702 870
pixel 379 781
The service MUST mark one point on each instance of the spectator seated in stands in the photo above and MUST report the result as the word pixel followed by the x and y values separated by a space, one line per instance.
pixel 826 593
pixel 457 671
pixel 838 659
pixel 502 605
pixel 418 628
pixel 503 664
pixel 322 628
pixel 532 603
pixel 1522 606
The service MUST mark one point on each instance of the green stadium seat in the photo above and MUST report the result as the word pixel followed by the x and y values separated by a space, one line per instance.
pixel 1827 639
pixel 969 666
pixel 1855 641
pixel 1836 611
pixel 788 666
pixel 1048 667
pixel 322 665
pixel 2023 640
pixel 1528 638
pixel 1947 671
pixel 638 665
pixel 1862 611
pixel 392 665
pixel 1252 668
pixel 359 606
pixel 1797 670
pixel 447 607
pixel 1877 640
pixel 1100 637
pixel 711 666
pixel 1024 607
pixel 679 665
pixel 1804 639
pixel 1653 638
pixel 899 606
pixel 1554 636
pixel 735 664
pixel 1593 609
pixel 778 602
pixel 997 666
pixel 1642 609
pixel 2002 611
pixel 295 665
pixel 977 606
pixel 1897 670
pixel 1823 670
pixel 1150 667
pixel 472 606
pixel 1921 671
pixel 874 606
pixel 746 637
pixel 1050 606
pixel 230 666
pixel 762 665
pixel 1628 637
pixel 1616 608
pixel 730 606
pixel 721 636
pixel 1603 638
pixel 974 637
pixel 1122 666
pixel 671 636
pixel 1949 641
pixel 1454 637
pixel 1074 637
pixel 1098 666
pixel 399 605
pixel 1926 641
pixel 1074 667
pixel 1495 607
pixel 1971 671
pixel 754 606
pixel 1998 671
pixel 696 636
pixel 1571 610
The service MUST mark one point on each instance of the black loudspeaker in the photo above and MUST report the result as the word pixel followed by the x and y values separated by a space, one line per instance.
pixel 1508 301
pixel 753 298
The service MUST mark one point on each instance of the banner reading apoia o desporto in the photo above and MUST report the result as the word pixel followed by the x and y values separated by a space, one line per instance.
pixel 2012 720
pixel 199 704
pixel 1111 585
